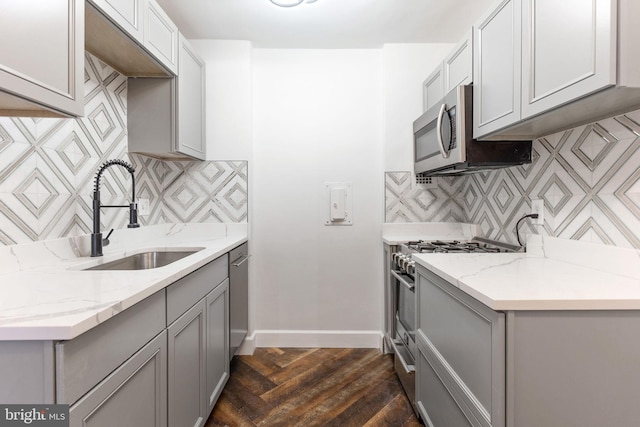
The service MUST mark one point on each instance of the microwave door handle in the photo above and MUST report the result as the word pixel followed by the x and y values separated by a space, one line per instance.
pixel 444 152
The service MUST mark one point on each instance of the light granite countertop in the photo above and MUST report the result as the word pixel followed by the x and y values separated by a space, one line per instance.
pixel 554 274
pixel 47 296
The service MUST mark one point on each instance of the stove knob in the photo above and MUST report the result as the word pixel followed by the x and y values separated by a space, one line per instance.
pixel 411 267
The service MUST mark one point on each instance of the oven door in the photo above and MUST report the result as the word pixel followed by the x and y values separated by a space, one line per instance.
pixel 405 316
pixel 404 343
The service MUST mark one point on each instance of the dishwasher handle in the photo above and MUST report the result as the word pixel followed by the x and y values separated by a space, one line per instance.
pixel 241 261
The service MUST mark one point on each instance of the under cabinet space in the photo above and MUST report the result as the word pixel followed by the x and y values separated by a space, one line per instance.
pixel 111 44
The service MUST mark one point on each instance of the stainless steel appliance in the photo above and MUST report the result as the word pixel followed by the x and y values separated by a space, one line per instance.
pixel 444 144
pixel 238 297
pixel 402 298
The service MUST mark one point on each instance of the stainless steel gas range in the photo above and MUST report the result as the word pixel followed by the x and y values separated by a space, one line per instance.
pixel 400 331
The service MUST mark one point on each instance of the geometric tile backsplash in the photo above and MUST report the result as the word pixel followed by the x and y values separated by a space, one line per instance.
pixel 47 167
pixel 588 178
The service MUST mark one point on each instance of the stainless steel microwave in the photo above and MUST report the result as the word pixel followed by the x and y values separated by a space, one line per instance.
pixel 444 144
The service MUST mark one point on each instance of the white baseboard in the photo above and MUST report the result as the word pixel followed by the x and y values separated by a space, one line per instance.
pixel 311 339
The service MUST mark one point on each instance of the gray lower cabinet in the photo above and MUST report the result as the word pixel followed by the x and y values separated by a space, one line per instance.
pixel 187 368
pixel 480 367
pixel 198 343
pixel 217 354
pixel 435 402
pixel 162 362
pixel 463 342
pixel 134 395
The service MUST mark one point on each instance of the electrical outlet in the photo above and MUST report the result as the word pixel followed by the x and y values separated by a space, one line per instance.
pixel 537 207
pixel 143 206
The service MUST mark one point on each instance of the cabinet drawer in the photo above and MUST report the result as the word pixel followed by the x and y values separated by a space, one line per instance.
pixel 83 362
pixel 187 291
pixel 468 339
pixel 435 403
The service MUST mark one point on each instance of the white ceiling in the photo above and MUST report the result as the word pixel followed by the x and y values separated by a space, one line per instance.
pixel 326 24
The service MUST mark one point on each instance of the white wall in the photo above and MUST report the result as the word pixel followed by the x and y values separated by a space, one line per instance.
pixel 406 66
pixel 317 117
pixel 228 98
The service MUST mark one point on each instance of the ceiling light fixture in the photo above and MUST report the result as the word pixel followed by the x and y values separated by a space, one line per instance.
pixel 290 3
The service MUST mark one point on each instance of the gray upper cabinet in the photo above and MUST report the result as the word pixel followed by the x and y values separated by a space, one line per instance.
pixel 127 14
pixel 116 32
pixel 496 62
pixel 568 51
pixel 458 65
pixel 191 102
pixel 161 36
pixel 166 117
pixel 542 66
pixel 42 58
pixel 433 88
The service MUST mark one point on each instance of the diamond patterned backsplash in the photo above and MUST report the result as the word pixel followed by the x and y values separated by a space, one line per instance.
pixel 588 178
pixel 47 168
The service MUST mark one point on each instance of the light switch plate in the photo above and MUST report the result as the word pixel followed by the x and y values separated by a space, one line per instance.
pixel 337 203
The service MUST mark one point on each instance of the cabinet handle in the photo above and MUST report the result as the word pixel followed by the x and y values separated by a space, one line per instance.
pixel 242 261
pixel 404 281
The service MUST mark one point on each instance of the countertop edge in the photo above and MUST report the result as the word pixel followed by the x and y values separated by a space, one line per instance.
pixel 25 332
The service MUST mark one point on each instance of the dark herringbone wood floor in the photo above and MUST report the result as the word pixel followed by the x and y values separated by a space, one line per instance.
pixel 313 387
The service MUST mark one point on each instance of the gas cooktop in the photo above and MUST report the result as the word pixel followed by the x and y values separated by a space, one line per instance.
pixel 477 244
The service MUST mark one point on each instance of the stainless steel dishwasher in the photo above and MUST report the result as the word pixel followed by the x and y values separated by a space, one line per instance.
pixel 238 297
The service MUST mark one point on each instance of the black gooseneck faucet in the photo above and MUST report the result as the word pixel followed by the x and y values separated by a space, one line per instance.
pixel 96 236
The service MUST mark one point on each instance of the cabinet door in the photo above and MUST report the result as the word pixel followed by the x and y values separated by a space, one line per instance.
pixel 187 369
pixel 433 88
pixel 134 395
pixel 496 74
pixel 568 51
pixel 42 57
pixel 161 36
pixel 467 341
pixel 458 65
pixel 191 102
pixel 127 14
pixel 435 403
pixel 217 343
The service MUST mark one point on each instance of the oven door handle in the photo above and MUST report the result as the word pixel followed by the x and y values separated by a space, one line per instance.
pixel 410 286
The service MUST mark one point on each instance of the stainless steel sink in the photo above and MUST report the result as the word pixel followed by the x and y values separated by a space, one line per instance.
pixel 144 260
